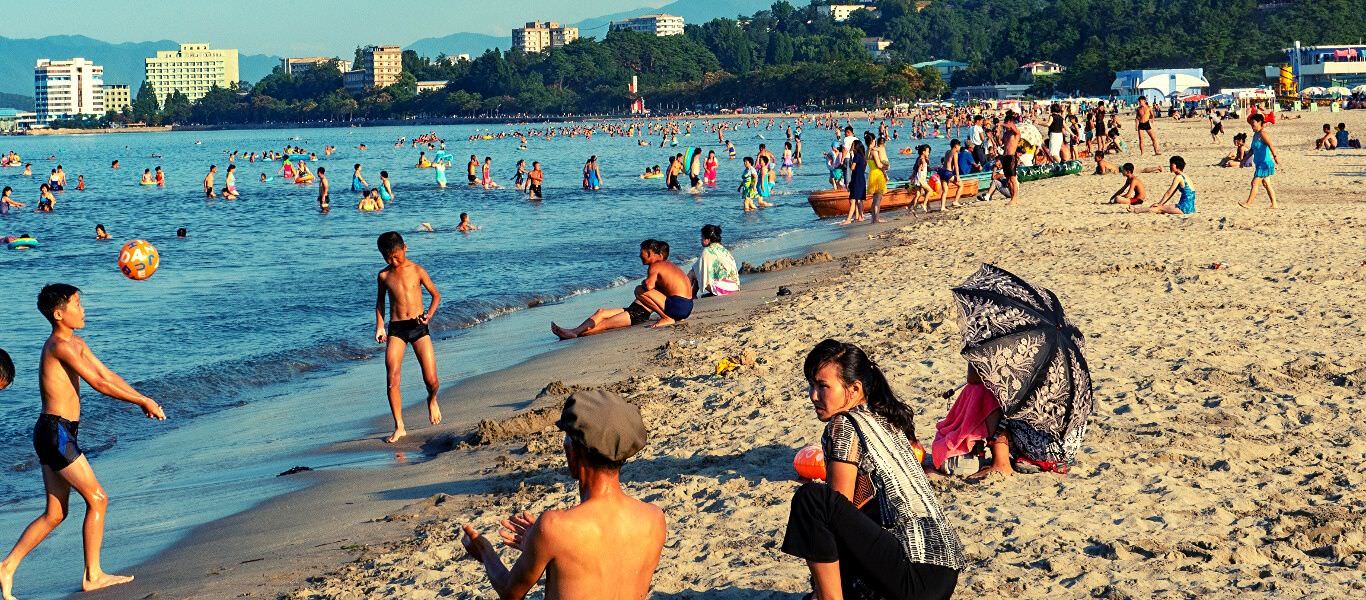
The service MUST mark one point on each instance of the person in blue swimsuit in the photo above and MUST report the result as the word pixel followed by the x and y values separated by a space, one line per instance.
pixel 358 183
pixel 1180 183
pixel 1264 158
pixel 386 191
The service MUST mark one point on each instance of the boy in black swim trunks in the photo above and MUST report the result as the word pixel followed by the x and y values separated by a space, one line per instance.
pixel 401 283
pixel 66 359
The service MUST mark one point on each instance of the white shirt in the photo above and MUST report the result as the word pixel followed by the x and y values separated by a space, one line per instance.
pixel 978 136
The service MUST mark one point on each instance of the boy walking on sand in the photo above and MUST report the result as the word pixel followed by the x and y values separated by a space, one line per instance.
pixel 66 359
pixel 402 282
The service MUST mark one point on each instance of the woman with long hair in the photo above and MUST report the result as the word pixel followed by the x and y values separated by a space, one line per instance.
pixel 876 525
pixel 858 181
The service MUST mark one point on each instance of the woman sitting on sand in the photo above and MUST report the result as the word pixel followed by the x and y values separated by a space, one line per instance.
pixel 975 417
pixel 715 273
pixel 908 549
pixel 1239 155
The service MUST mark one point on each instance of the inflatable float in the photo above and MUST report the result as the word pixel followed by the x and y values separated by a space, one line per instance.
pixel 1035 173
pixel 305 180
pixel 20 243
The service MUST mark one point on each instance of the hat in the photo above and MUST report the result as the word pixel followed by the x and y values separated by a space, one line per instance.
pixel 604 422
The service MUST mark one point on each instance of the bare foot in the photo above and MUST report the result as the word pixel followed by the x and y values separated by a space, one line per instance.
pixel 1241 205
pixel 1274 206
pixel 986 473
pixel 561 332
pixel 663 322
pixel 104 580
pixel 398 435
pixel 434 411
pixel 846 222
pixel 7 581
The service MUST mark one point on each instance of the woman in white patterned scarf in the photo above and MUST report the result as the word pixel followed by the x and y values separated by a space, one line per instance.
pixel 875 530
pixel 715 273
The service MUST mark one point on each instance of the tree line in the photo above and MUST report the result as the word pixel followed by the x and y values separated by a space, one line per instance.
pixel 791 56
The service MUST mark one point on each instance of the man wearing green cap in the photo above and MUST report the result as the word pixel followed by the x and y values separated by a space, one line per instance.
pixel 606 547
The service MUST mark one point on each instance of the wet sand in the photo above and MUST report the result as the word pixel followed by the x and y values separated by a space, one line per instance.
pixel 1223 459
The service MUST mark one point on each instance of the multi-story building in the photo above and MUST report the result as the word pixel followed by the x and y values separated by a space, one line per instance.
pixel 657 25
pixel 1324 66
pixel 1041 67
pixel 840 12
pixel 194 69
pixel 877 47
pixel 299 66
pixel 431 86
pixel 117 97
pixel 379 67
pixel 13 120
pixel 537 36
pixel 67 88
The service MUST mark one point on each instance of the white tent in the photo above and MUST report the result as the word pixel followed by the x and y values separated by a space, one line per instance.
pixel 1174 82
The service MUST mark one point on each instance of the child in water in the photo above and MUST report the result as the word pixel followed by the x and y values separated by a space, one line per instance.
pixel 371 202
pixel 100 233
pixel 465 225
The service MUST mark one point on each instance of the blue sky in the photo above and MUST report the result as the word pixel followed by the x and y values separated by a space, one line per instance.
pixel 293 28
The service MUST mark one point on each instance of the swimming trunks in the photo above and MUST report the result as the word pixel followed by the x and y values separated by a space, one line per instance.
pixel 54 439
pixel 1145 126
pixel 408 330
pixel 1008 166
pixel 473 180
pixel 639 314
pixel 677 307
pixel 535 189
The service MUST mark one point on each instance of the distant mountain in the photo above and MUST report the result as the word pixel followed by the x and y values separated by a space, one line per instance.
pixel 18 101
pixel 123 63
pixel 473 44
pixel 692 11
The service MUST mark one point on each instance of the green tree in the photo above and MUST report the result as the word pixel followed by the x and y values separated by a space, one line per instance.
pixel 145 106
pixel 177 109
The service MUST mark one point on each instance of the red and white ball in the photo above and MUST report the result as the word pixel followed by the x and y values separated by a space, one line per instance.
pixel 138 260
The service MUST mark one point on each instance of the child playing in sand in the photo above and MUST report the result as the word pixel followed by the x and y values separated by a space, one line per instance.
pixel 1181 183
pixel 402 283
pixel 65 360
pixel 465 225
pixel 1132 193
pixel 1104 167
pixel 1265 158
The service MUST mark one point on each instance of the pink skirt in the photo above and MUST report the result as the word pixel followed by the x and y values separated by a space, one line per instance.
pixel 965 424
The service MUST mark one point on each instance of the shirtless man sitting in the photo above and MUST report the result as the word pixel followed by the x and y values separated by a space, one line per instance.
pixel 607 546
pixel 666 291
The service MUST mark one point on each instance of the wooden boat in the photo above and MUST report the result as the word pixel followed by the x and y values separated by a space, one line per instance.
pixel 835 203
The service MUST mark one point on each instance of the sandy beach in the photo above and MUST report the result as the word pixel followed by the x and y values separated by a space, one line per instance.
pixel 1224 457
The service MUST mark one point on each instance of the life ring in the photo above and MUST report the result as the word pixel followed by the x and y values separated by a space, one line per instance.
pixel 22 244
pixel 303 180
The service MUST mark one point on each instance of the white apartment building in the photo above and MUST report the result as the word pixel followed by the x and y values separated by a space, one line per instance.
pixel 194 69
pixel 299 66
pixel 840 12
pixel 537 36
pixel 67 88
pixel 656 25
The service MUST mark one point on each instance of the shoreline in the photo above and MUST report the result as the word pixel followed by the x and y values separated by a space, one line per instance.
pixel 1204 465
pixel 271 540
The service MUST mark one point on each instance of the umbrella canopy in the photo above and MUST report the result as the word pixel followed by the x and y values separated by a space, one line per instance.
pixel 1016 336
pixel 1030 133
pixel 1338 90
pixel 1361 89
pixel 1193 98
pixel 1313 91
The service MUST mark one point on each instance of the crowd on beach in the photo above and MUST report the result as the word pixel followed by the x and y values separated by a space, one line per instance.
pixel 872 528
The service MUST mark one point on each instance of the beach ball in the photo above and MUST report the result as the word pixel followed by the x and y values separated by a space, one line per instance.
pixel 138 260
pixel 810 463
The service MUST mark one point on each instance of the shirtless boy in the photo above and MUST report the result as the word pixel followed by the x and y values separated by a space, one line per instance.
pixel 1144 117
pixel 402 283
pixel 208 181
pixel 1132 193
pixel 66 359
pixel 607 546
pixel 323 187
pixel 666 291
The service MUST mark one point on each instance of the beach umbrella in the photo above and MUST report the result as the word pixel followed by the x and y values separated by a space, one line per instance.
pixel 1361 89
pixel 1030 133
pixel 1016 336
pixel 1313 91
pixel 1338 90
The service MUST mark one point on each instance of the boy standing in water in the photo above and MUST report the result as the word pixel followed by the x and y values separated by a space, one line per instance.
pixel 66 359
pixel 323 188
pixel 402 282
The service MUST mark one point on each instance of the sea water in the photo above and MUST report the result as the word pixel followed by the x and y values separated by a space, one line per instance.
pixel 256 333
